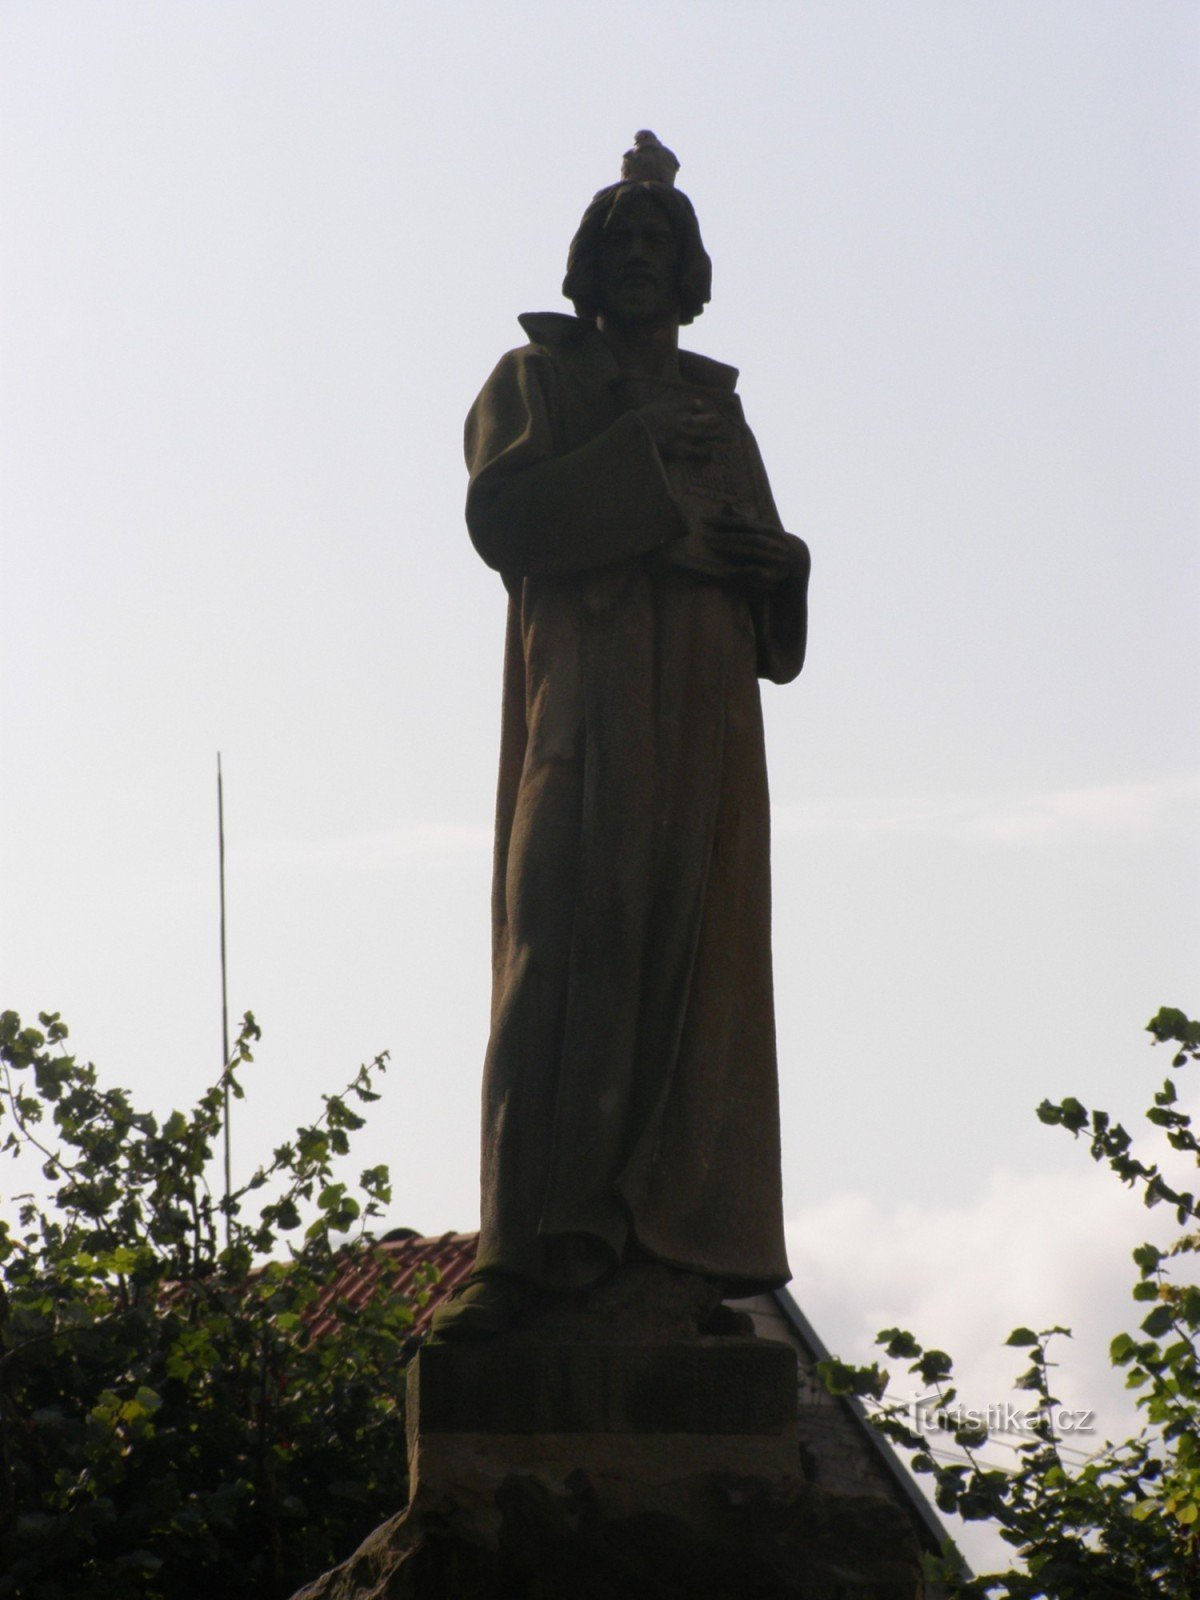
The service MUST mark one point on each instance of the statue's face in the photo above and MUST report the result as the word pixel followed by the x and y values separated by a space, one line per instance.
pixel 639 262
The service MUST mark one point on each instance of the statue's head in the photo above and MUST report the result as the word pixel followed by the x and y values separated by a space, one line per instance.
pixel 638 249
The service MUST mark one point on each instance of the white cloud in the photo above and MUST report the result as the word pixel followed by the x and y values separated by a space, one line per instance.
pixel 1127 810
pixel 1035 1250
pixel 405 845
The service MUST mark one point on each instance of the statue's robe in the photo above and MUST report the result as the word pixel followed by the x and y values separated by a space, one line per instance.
pixel 630 1089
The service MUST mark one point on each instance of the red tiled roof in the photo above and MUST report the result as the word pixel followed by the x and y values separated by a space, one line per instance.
pixel 403 1253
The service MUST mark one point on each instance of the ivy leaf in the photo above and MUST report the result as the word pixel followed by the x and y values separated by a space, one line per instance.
pixel 1161 1320
pixel 933 1366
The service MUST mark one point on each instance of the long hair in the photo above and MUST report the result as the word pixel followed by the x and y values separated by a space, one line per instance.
pixel 581 283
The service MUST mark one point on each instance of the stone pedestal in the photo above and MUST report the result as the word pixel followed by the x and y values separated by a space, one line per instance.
pixel 638 1415
pixel 655 1471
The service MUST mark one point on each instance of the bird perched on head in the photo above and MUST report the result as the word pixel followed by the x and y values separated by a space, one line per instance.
pixel 649 161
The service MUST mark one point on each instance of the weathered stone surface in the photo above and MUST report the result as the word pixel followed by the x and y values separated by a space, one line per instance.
pixel 720 1537
pixel 705 1386
pixel 644 1301
pixel 634 1417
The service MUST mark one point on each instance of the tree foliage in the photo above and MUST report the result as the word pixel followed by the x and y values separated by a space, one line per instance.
pixel 1125 1525
pixel 167 1425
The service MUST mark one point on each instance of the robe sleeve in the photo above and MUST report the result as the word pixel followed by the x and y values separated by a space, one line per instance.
pixel 534 509
pixel 781 626
pixel 781 617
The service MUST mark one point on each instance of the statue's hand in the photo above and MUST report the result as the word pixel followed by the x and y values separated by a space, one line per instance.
pixel 733 549
pixel 696 554
pixel 681 425
pixel 753 555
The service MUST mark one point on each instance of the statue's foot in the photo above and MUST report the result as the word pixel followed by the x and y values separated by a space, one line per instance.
pixel 481 1309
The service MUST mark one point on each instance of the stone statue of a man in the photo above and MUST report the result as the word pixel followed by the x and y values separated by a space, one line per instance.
pixel 630 1104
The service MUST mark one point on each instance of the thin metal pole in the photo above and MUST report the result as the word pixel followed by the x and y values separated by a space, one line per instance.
pixel 224 993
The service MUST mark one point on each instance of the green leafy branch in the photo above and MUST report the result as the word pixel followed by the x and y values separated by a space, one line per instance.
pixel 168 1426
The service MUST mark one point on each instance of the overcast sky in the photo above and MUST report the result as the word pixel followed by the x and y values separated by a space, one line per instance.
pixel 257 260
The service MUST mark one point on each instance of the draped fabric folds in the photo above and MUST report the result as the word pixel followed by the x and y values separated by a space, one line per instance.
pixel 630 1088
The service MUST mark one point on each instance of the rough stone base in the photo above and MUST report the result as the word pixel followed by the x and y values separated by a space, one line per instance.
pixel 618 1472
pixel 726 1538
